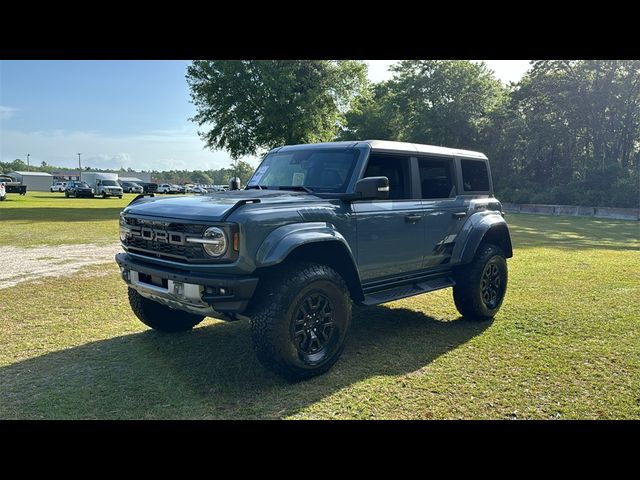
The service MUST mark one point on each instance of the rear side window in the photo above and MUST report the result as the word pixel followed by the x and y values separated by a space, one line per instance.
pixel 436 178
pixel 475 177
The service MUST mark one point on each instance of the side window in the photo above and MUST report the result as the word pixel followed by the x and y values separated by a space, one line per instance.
pixel 474 175
pixel 436 177
pixel 395 168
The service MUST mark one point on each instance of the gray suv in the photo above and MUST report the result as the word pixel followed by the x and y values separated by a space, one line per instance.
pixel 318 227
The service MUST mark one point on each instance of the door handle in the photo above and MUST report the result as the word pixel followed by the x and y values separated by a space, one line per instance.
pixel 413 218
pixel 459 214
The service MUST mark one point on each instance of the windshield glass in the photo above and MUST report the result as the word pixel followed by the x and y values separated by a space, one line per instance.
pixel 320 170
pixel 81 185
pixel 110 183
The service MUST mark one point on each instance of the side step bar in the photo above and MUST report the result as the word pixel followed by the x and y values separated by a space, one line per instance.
pixel 395 293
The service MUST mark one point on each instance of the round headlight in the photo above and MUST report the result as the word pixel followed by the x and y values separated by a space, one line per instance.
pixel 215 242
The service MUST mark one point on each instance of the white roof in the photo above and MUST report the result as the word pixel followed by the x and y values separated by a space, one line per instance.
pixel 34 174
pixel 388 146
pixel 421 148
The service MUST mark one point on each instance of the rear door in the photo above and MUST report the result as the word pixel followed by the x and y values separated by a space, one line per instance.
pixel 444 211
pixel 390 232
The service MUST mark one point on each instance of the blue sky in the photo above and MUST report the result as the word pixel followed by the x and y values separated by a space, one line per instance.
pixel 118 113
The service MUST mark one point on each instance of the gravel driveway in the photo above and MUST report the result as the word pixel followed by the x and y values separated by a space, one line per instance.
pixel 26 264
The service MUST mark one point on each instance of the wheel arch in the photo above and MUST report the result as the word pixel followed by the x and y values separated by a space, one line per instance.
pixel 481 229
pixel 317 242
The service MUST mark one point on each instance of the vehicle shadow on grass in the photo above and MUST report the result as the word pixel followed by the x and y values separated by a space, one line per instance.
pixel 73 214
pixel 212 372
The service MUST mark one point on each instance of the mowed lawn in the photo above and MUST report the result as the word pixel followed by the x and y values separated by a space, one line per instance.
pixel 565 345
pixel 43 218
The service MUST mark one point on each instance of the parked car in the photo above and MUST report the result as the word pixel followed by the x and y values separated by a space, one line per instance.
pixel 148 187
pixel 168 188
pixel 131 187
pixel 318 227
pixel 58 187
pixel 199 190
pixel 11 185
pixel 79 189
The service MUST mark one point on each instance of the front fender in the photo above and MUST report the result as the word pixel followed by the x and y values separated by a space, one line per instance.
pixel 472 233
pixel 283 240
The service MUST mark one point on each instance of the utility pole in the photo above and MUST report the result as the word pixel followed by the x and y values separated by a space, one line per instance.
pixel 79 168
pixel 28 155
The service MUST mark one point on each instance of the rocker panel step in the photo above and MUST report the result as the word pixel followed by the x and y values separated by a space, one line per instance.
pixel 395 293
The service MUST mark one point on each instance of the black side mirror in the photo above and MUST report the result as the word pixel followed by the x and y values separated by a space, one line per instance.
pixel 373 188
pixel 234 184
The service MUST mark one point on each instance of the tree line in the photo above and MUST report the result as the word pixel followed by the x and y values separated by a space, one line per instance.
pixel 568 132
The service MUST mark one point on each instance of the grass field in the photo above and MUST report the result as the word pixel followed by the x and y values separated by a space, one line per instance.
pixel 566 343
pixel 43 218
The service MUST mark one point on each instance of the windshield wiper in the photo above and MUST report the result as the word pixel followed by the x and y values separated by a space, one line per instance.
pixel 297 188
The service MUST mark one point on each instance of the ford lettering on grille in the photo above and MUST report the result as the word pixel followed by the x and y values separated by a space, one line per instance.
pixel 160 236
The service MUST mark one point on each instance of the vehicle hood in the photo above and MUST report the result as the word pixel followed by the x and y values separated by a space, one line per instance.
pixel 214 206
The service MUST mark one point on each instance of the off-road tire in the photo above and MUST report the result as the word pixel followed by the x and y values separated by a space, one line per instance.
pixel 279 301
pixel 467 293
pixel 159 317
pixel 66 194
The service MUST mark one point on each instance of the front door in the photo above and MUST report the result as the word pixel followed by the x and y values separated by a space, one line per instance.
pixel 390 232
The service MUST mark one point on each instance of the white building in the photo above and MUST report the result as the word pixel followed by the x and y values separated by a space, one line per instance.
pixel 35 181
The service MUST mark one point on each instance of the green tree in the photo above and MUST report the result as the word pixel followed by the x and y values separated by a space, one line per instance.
pixel 445 102
pixel 200 177
pixel 248 106
pixel 374 115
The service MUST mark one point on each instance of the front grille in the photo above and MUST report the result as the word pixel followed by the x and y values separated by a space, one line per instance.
pixel 164 240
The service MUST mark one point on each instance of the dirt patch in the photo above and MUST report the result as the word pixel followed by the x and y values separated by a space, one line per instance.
pixel 27 264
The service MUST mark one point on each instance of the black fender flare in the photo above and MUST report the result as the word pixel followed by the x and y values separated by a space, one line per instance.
pixel 481 225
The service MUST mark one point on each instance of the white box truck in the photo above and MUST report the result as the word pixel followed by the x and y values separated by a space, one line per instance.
pixel 104 184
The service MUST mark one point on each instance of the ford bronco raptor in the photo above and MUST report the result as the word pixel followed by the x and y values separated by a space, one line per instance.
pixel 317 227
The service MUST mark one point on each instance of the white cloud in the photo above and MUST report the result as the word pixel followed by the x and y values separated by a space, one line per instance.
pixel 6 112
pixel 158 150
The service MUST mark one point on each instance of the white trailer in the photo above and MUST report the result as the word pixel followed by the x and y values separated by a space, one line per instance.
pixel 104 184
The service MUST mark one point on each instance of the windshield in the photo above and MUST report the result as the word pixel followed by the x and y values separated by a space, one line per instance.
pixel 81 185
pixel 319 170
pixel 110 183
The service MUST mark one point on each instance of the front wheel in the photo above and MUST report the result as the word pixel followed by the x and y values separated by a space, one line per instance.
pixel 301 319
pixel 66 194
pixel 481 285
pixel 159 317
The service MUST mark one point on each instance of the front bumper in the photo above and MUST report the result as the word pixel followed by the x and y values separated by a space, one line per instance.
pixel 202 294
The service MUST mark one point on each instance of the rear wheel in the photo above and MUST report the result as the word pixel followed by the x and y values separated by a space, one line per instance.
pixel 301 319
pixel 159 317
pixel 481 285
